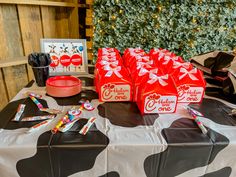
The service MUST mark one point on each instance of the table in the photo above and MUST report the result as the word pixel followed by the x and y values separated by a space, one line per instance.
pixel 122 143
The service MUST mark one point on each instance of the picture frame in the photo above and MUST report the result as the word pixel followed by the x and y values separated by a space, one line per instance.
pixel 69 56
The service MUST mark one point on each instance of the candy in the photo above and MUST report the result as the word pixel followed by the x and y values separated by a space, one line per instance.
pixel 62 121
pixel 39 105
pixel 34 95
pixel 87 126
pixel 19 112
pixel 82 100
pixel 36 118
pixel 67 126
pixel 39 125
pixel 51 111
pixel 88 106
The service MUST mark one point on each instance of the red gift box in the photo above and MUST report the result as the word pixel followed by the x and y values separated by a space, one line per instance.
pixel 114 84
pixel 178 65
pixel 132 55
pixel 139 77
pixel 166 63
pixel 158 95
pixel 190 85
pixel 107 51
pixel 132 52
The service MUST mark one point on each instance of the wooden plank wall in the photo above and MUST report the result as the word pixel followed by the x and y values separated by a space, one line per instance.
pixel 21 28
pixel 89 28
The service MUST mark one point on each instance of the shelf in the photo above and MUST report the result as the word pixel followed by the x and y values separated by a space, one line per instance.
pixel 41 3
pixel 13 62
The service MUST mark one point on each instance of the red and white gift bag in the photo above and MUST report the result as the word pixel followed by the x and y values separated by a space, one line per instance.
pixel 155 81
pixel 112 80
pixel 157 95
pixel 190 85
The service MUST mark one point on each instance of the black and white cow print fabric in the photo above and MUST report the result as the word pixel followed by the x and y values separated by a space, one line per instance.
pixel 121 143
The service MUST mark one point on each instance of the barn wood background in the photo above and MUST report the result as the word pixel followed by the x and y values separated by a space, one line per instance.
pixel 24 22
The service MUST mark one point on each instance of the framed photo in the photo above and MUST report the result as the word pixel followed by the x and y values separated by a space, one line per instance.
pixel 69 56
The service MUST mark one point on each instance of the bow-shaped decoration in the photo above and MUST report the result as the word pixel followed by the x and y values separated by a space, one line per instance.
pixel 110 71
pixel 189 73
pixel 179 64
pixel 146 64
pixel 168 58
pixel 161 55
pixel 161 79
pixel 109 58
pixel 108 50
pixel 143 58
pixel 105 62
pixel 155 51
pixel 143 71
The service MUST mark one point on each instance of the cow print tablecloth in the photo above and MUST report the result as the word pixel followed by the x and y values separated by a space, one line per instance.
pixel 122 143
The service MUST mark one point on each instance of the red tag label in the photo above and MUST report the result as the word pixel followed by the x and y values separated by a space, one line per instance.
pixel 76 59
pixel 65 60
pixel 111 92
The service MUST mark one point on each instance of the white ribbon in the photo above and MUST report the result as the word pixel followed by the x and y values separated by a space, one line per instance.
pixel 178 64
pixel 107 50
pixel 189 73
pixel 161 55
pixel 147 64
pixel 155 51
pixel 143 71
pixel 168 58
pixel 146 58
pixel 109 59
pixel 154 78
pixel 105 62
pixel 110 71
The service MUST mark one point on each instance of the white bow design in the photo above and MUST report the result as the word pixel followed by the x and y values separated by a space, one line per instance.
pixel 147 59
pixel 189 73
pixel 110 71
pixel 143 71
pixel 154 78
pixel 105 62
pixel 161 55
pixel 108 59
pixel 147 64
pixel 178 64
pixel 156 51
pixel 107 50
pixel 167 58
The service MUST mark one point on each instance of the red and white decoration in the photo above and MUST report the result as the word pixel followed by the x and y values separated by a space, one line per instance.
pixel 156 81
pixel 112 80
